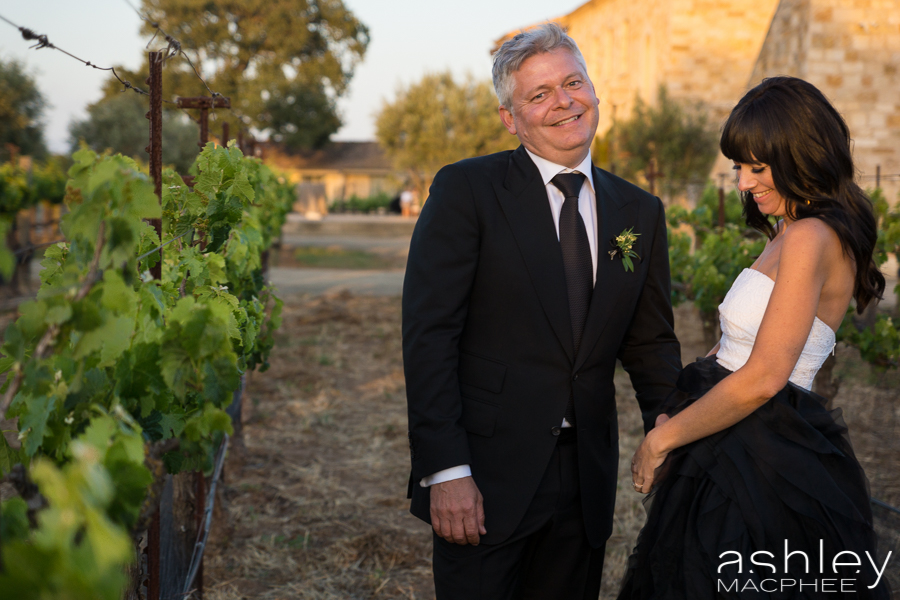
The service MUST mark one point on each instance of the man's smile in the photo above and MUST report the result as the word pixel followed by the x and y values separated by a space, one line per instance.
pixel 567 121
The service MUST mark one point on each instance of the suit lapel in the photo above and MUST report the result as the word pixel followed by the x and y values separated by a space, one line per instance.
pixel 611 276
pixel 523 199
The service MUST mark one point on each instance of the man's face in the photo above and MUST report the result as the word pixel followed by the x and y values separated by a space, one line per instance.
pixel 554 112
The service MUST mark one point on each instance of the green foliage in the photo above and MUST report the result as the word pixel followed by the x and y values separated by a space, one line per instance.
pixel 678 136
pixel 878 345
pixel 117 123
pixel 888 227
pixel 78 551
pixel 438 121
pixel 131 360
pixel 704 218
pixel 705 276
pixel 22 188
pixel 879 341
pixel 288 61
pixel 15 193
pixel 21 108
pixel 361 205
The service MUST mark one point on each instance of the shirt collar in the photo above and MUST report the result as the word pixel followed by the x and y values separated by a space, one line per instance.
pixel 550 170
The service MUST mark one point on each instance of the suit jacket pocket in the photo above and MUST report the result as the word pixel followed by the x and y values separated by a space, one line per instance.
pixel 481 373
pixel 479 417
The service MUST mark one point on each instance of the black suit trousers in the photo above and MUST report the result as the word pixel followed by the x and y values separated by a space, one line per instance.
pixel 548 557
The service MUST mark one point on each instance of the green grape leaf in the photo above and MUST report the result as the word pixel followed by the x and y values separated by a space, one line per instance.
pixel 99 433
pixel 208 183
pixel 117 295
pixel 59 314
pixel 173 461
pixel 220 378
pixel 34 422
pixel 131 480
pixel 144 204
pixel 8 456
pixel 112 338
pixel 172 425
pixel 241 188
pixel 202 425
pixel 7 363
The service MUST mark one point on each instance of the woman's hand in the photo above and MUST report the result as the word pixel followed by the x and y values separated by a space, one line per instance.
pixel 646 460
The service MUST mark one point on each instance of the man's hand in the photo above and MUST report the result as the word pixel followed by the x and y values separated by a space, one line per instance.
pixel 457 511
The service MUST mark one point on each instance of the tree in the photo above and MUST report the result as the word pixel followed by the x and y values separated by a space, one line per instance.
pixel 678 136
pixel 284 63
pixel 436 122
pixel 21 108
pixel 119 124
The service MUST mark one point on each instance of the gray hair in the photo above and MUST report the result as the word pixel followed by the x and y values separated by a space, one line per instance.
pixel 544 38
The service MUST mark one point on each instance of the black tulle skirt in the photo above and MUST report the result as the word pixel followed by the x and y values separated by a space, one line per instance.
pixel 775 506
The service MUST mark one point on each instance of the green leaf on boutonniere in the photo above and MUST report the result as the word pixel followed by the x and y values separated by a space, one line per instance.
pixel 623 246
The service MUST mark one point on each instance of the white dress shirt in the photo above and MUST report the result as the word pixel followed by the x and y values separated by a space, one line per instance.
pixel 587 207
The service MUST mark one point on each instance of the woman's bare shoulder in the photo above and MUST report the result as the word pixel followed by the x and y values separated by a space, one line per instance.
pixel 810 234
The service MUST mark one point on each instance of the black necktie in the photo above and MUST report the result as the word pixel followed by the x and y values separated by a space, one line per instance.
pixel 577 263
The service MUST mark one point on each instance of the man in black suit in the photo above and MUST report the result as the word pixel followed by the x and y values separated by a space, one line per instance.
pixel 516 304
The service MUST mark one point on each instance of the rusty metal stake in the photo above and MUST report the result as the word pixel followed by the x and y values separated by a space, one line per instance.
pixel 204 103
pixel 155 147
pixel 204 127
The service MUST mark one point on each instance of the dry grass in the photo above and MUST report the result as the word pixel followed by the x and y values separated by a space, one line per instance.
pixel 315 507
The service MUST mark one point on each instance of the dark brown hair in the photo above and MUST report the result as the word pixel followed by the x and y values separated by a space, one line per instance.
pixel 789 125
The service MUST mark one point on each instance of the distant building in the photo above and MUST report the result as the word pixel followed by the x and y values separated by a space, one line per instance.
pixel 339 171
pixel 714 50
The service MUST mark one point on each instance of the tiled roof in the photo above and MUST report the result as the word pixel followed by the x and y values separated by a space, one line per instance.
pixel 336 155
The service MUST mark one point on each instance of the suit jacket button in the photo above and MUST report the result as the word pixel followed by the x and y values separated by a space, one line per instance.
pixel 574 377
pixel 555 430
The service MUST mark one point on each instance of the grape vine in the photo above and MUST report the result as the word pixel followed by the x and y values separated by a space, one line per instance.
pixel 107 363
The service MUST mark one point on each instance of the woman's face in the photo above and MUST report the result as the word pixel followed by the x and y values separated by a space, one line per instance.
pixel 756 178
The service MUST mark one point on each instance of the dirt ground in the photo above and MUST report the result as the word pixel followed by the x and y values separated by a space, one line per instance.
pixel 314 505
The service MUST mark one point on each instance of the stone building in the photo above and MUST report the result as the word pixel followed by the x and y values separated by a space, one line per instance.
pixel 714 50
pixel 849 49
pixel 339 171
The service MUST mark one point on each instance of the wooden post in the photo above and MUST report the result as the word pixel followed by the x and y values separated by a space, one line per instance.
pixel 877 176
pixel 225 134
pixel 200 509
pixel 155 147
pixel 204 103
pixel 153 558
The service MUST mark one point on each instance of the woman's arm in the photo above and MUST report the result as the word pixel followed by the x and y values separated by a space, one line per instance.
pixel 802 271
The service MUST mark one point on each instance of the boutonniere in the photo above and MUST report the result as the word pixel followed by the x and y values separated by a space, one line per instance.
pixel 623 245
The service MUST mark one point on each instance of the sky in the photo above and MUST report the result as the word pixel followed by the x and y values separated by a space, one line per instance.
pixel 409 38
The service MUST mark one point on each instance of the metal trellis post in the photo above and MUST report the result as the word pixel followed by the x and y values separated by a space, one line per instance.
pixel 155 147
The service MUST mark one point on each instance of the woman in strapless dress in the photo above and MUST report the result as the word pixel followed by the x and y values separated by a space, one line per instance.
pixel 754 490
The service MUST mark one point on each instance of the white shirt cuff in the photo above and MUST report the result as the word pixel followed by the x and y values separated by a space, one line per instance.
pixel 446 475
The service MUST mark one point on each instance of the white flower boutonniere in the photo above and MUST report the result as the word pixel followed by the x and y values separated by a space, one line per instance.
pixel 623 245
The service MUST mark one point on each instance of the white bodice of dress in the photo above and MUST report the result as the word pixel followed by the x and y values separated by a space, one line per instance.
pixel 740 315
